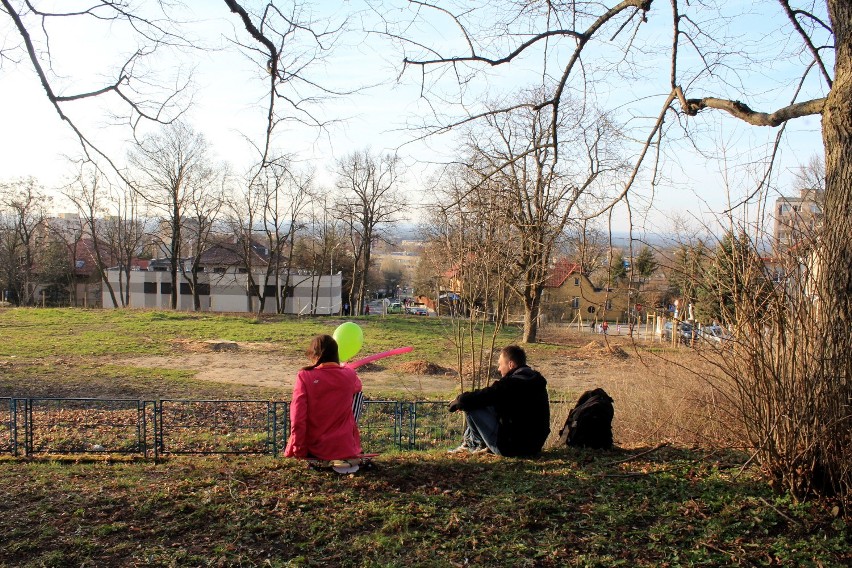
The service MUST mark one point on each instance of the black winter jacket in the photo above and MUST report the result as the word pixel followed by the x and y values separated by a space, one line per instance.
pixel 523 410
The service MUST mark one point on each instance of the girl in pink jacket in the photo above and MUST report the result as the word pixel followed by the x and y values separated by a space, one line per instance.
pixel 322 424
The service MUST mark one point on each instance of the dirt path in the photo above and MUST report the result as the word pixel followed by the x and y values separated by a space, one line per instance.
pixel 254 365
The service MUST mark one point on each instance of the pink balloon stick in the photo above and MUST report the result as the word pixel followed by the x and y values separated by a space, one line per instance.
pixel 371 358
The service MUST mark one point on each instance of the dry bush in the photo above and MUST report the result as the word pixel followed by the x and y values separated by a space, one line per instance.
pixel 790 364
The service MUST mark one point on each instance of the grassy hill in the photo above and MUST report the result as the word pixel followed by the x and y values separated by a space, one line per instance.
pixel 650 504
pixel 670 507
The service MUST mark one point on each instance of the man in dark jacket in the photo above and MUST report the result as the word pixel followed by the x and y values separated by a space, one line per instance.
pixel 512 416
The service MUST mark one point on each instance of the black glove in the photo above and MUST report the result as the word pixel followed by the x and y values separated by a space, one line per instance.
pixel 455 406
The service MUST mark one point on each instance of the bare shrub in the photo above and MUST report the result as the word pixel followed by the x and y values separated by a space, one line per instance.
pixel 786 368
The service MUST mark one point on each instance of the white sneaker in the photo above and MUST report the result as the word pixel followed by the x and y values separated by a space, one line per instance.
pixel 460 449
pixel 344 466
pixel 482 450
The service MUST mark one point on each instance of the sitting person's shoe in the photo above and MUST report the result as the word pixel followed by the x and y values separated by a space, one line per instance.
pixel 344 466
pixel 482 450
pixel 461 449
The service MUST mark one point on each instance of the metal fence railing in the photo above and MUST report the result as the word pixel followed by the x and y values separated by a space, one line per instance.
pixel 431 426
pixel 6 414
pixel 31 426
pixel 73 425
pixel 380 425
pixel 220 426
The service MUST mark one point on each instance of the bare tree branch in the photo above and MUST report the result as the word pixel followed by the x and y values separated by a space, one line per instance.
pixel 791 15
pixel 745 113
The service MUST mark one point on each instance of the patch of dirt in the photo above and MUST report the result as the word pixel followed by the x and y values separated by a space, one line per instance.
pixel 371 368
pixel 423 367
pixel 254 364
pixel 219 345
pixel 584 363
pixel 239 366
pixel 599 349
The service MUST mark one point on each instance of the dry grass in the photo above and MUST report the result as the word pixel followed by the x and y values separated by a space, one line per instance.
pixel 662 394
pixel 678 401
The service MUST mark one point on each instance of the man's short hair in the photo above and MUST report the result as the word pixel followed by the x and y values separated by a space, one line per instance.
pixel 515 354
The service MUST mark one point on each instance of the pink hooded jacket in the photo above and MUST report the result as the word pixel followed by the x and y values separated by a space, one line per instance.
pixel 321 421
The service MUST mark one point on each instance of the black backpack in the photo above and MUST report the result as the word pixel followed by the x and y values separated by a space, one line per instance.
pixel 589 424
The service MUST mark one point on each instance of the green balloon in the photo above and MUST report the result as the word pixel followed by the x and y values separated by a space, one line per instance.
pixel 349 338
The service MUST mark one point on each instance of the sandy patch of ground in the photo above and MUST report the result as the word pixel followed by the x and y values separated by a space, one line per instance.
pixel 596 363
pixel 257 364
pixel 256 369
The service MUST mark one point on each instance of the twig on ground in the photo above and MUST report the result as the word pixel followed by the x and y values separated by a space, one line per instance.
pixel 632 474
pixel 745 465
pixel 774 508
pixel 639 455
pixel 717 549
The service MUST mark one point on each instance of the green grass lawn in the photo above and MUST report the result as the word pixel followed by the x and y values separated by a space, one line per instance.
pixel 673 507
pixel 70 352
pixel 73 332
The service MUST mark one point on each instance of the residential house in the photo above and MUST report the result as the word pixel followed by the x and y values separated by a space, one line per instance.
pixel 90 288
pixel 569 296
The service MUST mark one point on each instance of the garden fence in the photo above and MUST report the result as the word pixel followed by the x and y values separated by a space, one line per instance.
pixel 30 426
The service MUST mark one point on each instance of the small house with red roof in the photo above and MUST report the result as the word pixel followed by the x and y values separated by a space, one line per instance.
pixel 570 296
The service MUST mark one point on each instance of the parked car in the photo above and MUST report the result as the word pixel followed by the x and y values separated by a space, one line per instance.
pixel 714 334
pixel 418 310
pixel 396 308
pixel 684 331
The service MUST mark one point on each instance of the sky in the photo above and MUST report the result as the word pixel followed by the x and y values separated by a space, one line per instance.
pixel 228 108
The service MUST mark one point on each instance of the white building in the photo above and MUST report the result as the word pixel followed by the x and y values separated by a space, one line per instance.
pixel 797 218
pixel 228 291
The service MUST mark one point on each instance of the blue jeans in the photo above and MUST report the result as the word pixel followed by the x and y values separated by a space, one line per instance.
pixel 481 430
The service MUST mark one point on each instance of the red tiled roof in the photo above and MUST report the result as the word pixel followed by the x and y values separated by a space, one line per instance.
pixel 85 260
pixel 560 272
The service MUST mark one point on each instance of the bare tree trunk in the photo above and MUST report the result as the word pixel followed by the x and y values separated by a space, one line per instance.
pixel 175 257
pixel 282 292
pixel 532 310
pixel 196 297
pixel 125 294
pixel 835 269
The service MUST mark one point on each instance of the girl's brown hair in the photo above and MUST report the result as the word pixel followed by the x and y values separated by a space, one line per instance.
pixel 323 348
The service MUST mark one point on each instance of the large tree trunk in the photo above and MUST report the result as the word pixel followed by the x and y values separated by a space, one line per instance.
pixel 836 281
pixel 834 276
